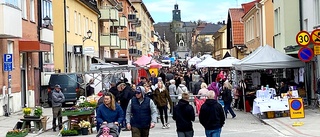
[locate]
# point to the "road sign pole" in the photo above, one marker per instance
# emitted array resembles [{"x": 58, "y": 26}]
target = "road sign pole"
[{"x": 9, "y": 93}]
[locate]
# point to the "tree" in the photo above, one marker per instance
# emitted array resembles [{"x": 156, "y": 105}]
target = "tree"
[{"x": 202, "y": 46}]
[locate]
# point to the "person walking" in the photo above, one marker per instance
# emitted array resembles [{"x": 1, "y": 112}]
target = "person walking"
[
  {"x": 162, "y": 98},
  {"x": 109, "y": 112},
  {"x": 141, "y": 114},
  {"x": 57, "y": 100},
  {"x": 183, "y": 114},
  {"x": 125, "y": 94},
  {"x": 212, "y": 116},
  {"x": 227, "y": 99}
]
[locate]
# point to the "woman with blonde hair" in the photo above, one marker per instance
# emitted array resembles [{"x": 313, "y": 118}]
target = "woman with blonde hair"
[
  {"x": 203, "y": 91},
  {"x": 109, "y": 111},
  {"x": 227, "y": 98},
  {"x": 162, "y": 98}
]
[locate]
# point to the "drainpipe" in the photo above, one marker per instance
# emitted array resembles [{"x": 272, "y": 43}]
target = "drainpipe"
[
  {"x": 65, "y": 37},
  {"x": 98, "y": 23},
  {"x": 40, "y": 59},
  {"x": 260, "y": 22},
  {"x": 300, "y": 15}
]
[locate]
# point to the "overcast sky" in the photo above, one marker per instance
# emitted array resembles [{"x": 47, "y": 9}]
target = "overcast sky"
[{"x": 192, "y": 10}]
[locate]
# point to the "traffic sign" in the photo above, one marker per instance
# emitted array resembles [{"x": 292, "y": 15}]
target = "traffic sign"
[
  {"x": 305, "y": 54},
  {"x": 316, "y": 49},
  {"x": 315, "y": 36},
  {"x": 303, "y": 38},
  {"x": 7, "y": 62},
  {"x": 296, "y": 108}
]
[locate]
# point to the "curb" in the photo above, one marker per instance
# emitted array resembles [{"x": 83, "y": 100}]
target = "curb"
[{"x": 264, "y": 122}]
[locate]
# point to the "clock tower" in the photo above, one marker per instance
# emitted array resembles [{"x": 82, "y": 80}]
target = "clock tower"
[{"x": 176, "y": 13}]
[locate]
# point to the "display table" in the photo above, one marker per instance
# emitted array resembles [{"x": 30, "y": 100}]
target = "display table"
[
  {"x": 26, "y": 123},
  {"x": 76, "y": 116},
  {"x": 266, "y": 105}
]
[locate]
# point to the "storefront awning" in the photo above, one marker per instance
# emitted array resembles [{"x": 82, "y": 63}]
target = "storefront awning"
[{"x": 33, "y": 46}]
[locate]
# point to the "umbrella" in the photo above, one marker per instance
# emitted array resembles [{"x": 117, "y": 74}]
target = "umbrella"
[{"x": 143, "y": 61}]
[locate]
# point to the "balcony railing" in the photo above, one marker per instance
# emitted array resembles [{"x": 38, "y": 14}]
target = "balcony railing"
[
  {"x": 132, "y": 35},
  {"x": 121, "y": 45},
  {"x": 122, "y": 22},
  {"x": 46, "y": 35},
  {"x": 135, "y": 52},
  {"x": 138, "y": 23},
  {"x": 10, "y": 21},
  {"x": 110, "y": 40},
  {"x": 109, "y": 13},
  {"x": 138, "y": 39}
]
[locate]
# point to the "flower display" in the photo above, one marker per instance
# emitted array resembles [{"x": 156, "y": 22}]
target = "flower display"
[
  {"x": 38, "y": 111},
  {"x": 84, "y": 124},
  {"x": 27, "y": 111}
]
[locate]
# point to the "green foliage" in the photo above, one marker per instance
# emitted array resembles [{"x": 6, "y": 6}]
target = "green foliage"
[
  {"x": 38, "y": 111},
  {"x": 17, "y": 133},
  {"x": 88, "y": 104},
  {"x": 69, "y": 133}
]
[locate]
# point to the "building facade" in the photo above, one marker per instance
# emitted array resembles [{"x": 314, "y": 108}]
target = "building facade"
[
  {"x": 267, "y": 22},
  {"x": 77, "y": 41},
  {"x": 220, "y": 43}
]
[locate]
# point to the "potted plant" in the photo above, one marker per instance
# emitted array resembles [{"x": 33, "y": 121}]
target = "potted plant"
[
  {"x": 38, "y": 111},
  {"x": 84, "y": 125},
  {"x": 69, "y": 133},
  {"x": 27, "y": 111},
  {"x": 17, "y": 133}
]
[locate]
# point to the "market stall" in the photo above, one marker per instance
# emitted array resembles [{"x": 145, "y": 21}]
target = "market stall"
[{"x": 266, "y": 57}]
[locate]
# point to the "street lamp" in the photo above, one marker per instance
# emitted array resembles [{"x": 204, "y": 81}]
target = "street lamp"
[
  {"x": 46, "y": 21},
  {"x": 89, "y": 34}
]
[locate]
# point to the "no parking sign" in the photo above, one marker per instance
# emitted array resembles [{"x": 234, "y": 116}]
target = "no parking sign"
[{"x": 296, "y": 108}]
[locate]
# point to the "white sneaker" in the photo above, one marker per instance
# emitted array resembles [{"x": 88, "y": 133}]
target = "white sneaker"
[
  {"x": 164, "y": 126},
  {"x": 168, "y": 125}
]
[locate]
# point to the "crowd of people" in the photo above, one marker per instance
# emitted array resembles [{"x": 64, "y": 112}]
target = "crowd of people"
[{"x": 136, "y": 107}]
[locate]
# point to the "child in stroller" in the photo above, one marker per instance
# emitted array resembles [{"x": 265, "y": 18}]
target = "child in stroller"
[{"x": 108, "y": 130}]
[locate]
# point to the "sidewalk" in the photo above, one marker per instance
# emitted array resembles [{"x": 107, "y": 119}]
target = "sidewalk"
[
  {"x": 309, "y": 129},
  {"x": 8, "y": 123}
]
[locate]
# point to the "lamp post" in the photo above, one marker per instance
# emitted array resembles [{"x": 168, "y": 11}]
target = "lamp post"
[
  {"x": 89, "y": 34},
  {"x": 47, "y": 21}
]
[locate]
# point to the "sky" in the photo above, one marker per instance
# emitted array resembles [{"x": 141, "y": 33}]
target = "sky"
[{"x": 192, "y": 10}]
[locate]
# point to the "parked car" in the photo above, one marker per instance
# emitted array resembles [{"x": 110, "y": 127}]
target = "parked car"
[{"x": 72, "y": 86}]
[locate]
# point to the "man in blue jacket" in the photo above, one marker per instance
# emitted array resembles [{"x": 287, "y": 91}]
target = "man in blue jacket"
[
  {"x": 212, "y": 116},
  {"x": 57, "y": 100},
  {"x": 141, "y": 114},
  {"x": 183, "y": 114}
]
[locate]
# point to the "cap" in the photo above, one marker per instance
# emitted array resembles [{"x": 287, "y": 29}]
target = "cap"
[
  {"x": 57, "y": 86},
  {"x": 140, "y": 89}
]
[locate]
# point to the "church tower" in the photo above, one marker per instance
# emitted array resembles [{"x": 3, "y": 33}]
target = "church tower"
[{"x": 176, "y": 14}]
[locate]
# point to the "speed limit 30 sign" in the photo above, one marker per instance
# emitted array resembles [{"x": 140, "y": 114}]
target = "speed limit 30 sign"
[{"x": 303, "y": 38}]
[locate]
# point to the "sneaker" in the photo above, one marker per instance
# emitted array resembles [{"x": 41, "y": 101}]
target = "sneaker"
[
  {"x": 164, "y": 126},
  {"x": 168, "y": 125},
  {"x": 234, "y": 116},
  {"x": 54, "y": 130}
]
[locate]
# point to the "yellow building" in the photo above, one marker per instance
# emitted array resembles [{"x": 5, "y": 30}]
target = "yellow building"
[
  {"x": 220, "y": 43},
  {"x": 76, "y": 36},
  {"x": 146, "y": 27}
]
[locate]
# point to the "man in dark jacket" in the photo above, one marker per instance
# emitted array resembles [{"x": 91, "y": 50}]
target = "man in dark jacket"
[
  {"x": 212, "y": 116},
  {"x": 141, "y": 114},
  {"x": 125, "y": 95},
  {"x": 183, "y": 114}
]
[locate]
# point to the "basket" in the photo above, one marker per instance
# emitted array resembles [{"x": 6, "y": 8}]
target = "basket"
[
  {"x": 270, "y": 114},
  {"x": 44, "y": 121}
]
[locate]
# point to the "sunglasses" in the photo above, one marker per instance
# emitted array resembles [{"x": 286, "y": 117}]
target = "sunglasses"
[{"x": 138, "y": 92}]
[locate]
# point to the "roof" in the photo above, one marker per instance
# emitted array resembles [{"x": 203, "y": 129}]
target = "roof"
[
  {"x": 144, "y": 8},
  {"x": 249, "y": 5},
  {"x": 210, "y": 29},
  {"x": 236, "y": 14}
]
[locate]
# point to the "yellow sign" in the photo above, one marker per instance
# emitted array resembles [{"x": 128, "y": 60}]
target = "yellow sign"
[
  {"x": 303, "y": 38},
  {"x": 316, "y": 49},
  {"x": 296, "y": 108},
  {"x": 153, "y": 70},
  {"x": 315, "y": 36}
]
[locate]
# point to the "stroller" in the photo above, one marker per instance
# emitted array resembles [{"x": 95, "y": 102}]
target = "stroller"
[{"x": 108, "y": 130}]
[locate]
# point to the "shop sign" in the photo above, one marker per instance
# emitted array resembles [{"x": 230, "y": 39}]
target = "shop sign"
[
  {"x": 315, "y": 36},
  {"x": 305, "y": 54},
  {"x": 296, "y": 108},
  {"x": 316, "y": 49},
  {"x": 303, "y": 39}
]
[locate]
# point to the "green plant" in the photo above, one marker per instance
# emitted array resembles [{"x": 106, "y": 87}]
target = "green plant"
[
  {"x": 17, "y": 133},
  {"x": 69, "y": 133},
  {"x": 38, "y": 111}
]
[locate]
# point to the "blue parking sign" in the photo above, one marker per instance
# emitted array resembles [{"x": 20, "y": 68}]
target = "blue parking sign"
[{"x": 7, "y": 62}]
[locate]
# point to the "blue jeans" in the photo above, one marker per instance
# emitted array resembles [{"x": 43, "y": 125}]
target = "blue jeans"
[{"x": 213, "y": 133}]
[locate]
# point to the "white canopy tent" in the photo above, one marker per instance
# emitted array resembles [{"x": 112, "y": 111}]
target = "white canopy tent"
[
  {"x": 227, "y": 62},
  {"x": 203, "y": 57},
  {"x": 194, "y": 60},
  {"x": 208, "y": 62},
  {"x": 266, "y": 57}
]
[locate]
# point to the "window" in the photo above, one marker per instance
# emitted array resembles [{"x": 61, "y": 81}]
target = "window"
[
  {"x": 87, "y": 26},
  {"x": 13, "y": 2},
  {"x": 47, "y": 9},
  {"x": 277, "y": 21},
  {"x": 24, "y": 9},
  {"x": 84, "y": 25},
  {"x": 317, "y": 11},
  {"x": 79, "y": 24},
  {"x": 258, "y": 24},
  {"x": 32, "y": 13},
  {"x": 10, "y": 45},
  {"x": 67, "y": 18},
  {"x": 75, "y": 22},
  {"x": 91, "y": 27}
]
